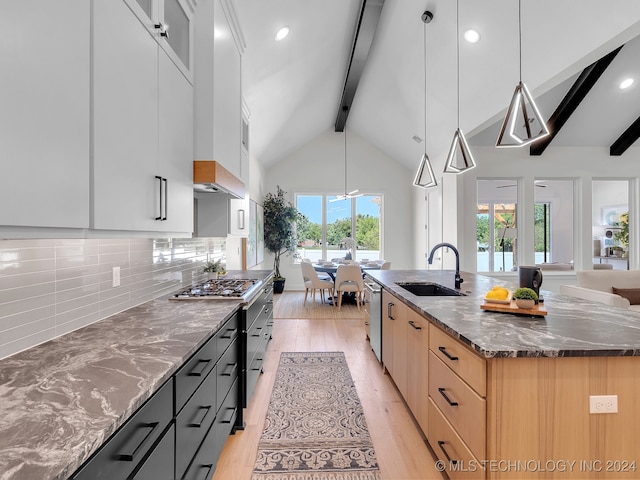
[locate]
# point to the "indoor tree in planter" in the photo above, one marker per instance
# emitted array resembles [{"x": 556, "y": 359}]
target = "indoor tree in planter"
[{"x": 279, "y": 231}]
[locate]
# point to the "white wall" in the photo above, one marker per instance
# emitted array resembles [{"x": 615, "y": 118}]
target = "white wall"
[
  {"x": 581, "y": 164},
  {"x": 318, "y": 167}
]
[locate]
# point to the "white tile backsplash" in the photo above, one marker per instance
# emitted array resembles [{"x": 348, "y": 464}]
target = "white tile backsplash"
[{"x": 52, "y": 287}]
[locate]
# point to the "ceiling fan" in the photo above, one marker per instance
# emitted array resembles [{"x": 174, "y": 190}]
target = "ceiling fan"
[
  {"x": 536, "y": 184},
  {"x": 346, "y": 195}
]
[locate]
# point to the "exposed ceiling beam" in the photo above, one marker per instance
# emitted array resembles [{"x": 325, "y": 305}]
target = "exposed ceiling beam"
[
  {"x": 627, "y": 139},
  {"x": 572, "y": 100},
  {"x": 365, "y": 30}
]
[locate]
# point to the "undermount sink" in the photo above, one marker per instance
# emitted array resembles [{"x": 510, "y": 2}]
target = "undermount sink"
[{"x": 424, "y": 289}]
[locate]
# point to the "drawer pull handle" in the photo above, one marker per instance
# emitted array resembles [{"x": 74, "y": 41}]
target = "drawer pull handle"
[
  {"x": 229, "y": 333},
  {"x": 128, "y": 457},
  {"x": 453, "y": 404},
  {"x": 390, "y": 310},
  {"x": 207, "y": 471},
  {"x": 412, "y": 323},
  {"x": 441, "y": 445},
  {"x": 197, "y": 424},
  {"x": 230, "y": 368},
  {"x": 230, "y": 414},
  {"x": 447, "y": 354},
  {"x": 259, "y": 362},
  {"x": 198, "y": 373},
  {"x": 257, "y": 334}
]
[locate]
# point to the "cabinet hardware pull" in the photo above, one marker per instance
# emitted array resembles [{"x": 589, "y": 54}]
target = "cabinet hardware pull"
[
  {"x": 441, "y": 445},
  {"x": 229, "y": 333},
  {"x": 241, "y": 219},
  {"x": 447, "y": 354},
  {"x": 159, "y": 217},
  {"x": 166, "y": 198},
  {"x": 257, "y": 334},
  {"x": 412, "y": 323},
  {"x": 208, "y": 468},
  {"x": 453, "y": 404},
  {"x": 198, "y": 373},
  {"x": 128, "y": 457},
  {"x": 229, "y": 371},
  {"x": 259, "y": 361},
  {"x": 206, "y": 409},
  {"x": 390, "y": 306},
  {"x": 228, "y": 418}
]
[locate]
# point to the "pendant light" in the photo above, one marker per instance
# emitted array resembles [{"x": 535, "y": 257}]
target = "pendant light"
[
  {"x": 523, "y": 123},
  {"x": 353, "y": 193},
  {"x": 425, "y": 177},
  {"x": 459, "y": 159}
]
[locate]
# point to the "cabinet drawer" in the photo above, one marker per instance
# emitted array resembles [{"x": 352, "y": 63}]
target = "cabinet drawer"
[
  {"x": 459, "y": 358},
  {"x": 449, "y": 447},
  {"x": 462, "y": 407},
  {"x": 227, "y": 334},
  {"x": 204, "y": 462},
  {"x": 123, "y": 452},
  {"x": 253, "y": 372},
  {"x": 193, "y": 422},
  {"x": 227, "y": 372},
  {"x": 160, "y": 464},
  {"x": 255, "y": 336},
  {"x": 194, "y": 372}
]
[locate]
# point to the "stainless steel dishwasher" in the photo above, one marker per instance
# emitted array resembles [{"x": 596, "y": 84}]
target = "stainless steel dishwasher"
[{"x": 373, "y": 305}]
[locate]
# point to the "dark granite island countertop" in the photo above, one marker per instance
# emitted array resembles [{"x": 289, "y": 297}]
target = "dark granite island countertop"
[
  {"x": 61, "y": 400},
  {"x": 572, "y": 328}
]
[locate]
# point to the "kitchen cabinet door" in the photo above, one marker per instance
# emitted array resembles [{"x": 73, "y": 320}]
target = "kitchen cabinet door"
[
  {"x": 44, "y": 118},
  {"x": 388, "y": 321},
  {"x": 125, "y": 151}
]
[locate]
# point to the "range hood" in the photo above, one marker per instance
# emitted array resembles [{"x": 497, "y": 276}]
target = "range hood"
[{"x": 211, "y": 177}]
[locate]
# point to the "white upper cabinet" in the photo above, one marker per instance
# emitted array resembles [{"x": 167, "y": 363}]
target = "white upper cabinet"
[
  {"x": 44, "y": 113},
  {"x": 217, "y": 82},
  {"x": 143, "y": 123}
]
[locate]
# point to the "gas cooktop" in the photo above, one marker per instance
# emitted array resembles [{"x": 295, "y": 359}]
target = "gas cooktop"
[{"x": 221, "y": 289}]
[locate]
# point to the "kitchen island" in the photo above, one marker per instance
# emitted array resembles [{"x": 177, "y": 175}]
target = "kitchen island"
[
  {"x": 60, "y": 401},
  {"x": 500, "y": 395}
]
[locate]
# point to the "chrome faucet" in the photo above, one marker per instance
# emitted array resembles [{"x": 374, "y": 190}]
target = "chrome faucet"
[{"x": 458, "y": 278}]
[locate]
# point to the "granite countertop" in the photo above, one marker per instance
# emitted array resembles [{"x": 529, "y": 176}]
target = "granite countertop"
[
  {"x": 61, "y": 400},
  {"x": 572, "y": 327}
]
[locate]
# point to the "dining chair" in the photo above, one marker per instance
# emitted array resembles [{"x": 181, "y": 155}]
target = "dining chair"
[
  {"x": 385, "y": 266},
  {"x": 313, "y": 282},
  {"x": 349, "y": 279}
]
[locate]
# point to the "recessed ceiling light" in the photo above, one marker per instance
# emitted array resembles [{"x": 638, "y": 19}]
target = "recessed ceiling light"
[
  {"x": 282, "y": 33},
  {"x": 472, "y": 36},
  {"x": 626, "y": 83}
]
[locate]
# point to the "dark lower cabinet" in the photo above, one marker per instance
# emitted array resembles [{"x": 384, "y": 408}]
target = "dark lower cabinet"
[
  {"x": 160, "y": 464},
  {"x": 180, "y": 431}
]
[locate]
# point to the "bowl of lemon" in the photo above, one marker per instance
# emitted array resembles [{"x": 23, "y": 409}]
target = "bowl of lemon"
[{"x": 498, "y": 295}]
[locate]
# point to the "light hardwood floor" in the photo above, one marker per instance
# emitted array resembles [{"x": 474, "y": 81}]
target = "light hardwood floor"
[{"x": 401, "y": 450}]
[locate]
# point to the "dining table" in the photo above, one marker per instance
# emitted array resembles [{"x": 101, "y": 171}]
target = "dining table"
[{"x": 332, "y": 268}]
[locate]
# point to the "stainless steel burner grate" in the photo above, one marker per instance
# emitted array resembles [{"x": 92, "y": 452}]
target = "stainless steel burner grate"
[{"x": 217, "y": 289}]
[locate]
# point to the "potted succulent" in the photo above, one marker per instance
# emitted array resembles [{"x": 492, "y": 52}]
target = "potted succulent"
[
  {"x": 214, "y": 269},
  {"x": 525, "y": 297},
  {"x": 280, "y": 236}
]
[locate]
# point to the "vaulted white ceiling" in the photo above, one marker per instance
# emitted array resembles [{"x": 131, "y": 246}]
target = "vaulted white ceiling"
[{"x": 293, "y": 87}]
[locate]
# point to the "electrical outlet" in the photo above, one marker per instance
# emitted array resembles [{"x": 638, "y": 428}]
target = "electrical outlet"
[
  {"x": 115, "y": 277},
  {"x": 603, "y": 404}
]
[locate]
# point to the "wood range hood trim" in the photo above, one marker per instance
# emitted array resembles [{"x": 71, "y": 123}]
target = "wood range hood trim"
[{"x": 211, "y": 176}]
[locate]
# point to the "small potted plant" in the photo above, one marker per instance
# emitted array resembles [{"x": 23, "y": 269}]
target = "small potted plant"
[
  {"x": 525, "y": 297},
  {"x": 214, "y": 269}
]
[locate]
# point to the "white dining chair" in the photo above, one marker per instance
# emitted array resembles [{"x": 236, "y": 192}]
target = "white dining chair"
[
  {"x": 313, "y": 282},
  {"x": 349, "y": 279},
  {"x": 385, "y": 266}
]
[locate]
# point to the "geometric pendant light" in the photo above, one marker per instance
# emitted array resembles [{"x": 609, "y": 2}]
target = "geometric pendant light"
[
  {"x": 523, "y": 123},
  {"x": 459, "y": 159},
  {"x": 424, "y": 176}
]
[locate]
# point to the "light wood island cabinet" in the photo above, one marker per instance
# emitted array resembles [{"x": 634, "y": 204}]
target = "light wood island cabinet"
[{"x": 510, "y": 415}]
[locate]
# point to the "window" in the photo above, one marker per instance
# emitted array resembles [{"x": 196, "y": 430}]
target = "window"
[
  {"x": 330, "y": 220},
  {"x": 553, "y": 221},
  {"x": 496, "y": 226}
]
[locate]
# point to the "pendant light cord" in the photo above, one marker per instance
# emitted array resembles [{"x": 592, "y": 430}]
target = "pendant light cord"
[
  {"x": 520, "y": 35},
  {"x": 425, "y": 88},
  {"x": 458, "y": 54}
]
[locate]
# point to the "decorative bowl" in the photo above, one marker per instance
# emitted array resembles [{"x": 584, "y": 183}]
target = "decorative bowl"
[{"x": 525, "y": 303}]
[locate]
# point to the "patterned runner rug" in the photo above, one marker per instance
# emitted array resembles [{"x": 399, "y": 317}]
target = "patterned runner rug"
[{"x": 315, "y": 427}]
